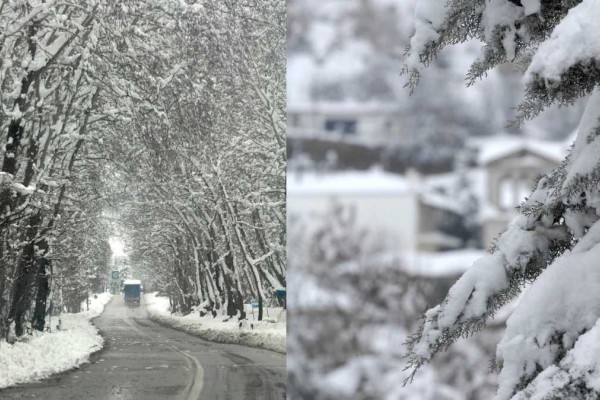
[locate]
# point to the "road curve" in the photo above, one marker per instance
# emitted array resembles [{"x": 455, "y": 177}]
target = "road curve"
[{"x": 144, "y": 360}]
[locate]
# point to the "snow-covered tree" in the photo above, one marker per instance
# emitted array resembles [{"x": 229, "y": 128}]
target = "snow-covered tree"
[
  {"x": 205, "y": 188},
  {"x": 550, "y": 346},
  {"x": 173, "y": 109},
  {"x": 68, "y": 72}
]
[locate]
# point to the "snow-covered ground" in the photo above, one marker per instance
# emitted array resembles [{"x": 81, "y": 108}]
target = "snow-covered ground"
[
  {"x": 268, "y": 334},
  {"x": 44, "y": 354}
]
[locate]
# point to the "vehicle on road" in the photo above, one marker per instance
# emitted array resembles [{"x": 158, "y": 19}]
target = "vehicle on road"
[{"x": 132, "y": 289}]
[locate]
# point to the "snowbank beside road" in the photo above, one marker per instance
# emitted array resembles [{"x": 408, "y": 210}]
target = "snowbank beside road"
[
  {"x": 46, "y": 353},
  {"x": 263, "y": 334}
]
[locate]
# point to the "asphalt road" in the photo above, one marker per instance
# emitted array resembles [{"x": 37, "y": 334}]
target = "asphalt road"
[{"x": 144, "y": 360}]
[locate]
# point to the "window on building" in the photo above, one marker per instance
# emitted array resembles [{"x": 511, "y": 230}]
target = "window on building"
[
  {"x": 506, "y": 193},
  {"x": 343, "y": 126},
  {"x": 524, "y": 189},
  {"x": 388, "y": 125},
  {"x": 294, "y": 120}
]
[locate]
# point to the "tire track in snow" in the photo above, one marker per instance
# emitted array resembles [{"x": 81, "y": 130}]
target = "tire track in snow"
[{"x": 194, "y": 388}]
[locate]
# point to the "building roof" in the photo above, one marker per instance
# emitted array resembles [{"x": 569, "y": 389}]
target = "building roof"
[
  {"x": 440, "y": 201},
  {"x": 344, "y": 108},
  {"x": 440, "y": 264},
  {"x": 495, "y": 148},
  {"x": 373, "y": 182}
]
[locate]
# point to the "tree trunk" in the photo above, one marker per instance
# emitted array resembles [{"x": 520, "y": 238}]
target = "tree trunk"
[
  {"x": 239, "y": 300},
  {"x": 22, "y": 288},
  {"x": 43, "y": 290},
  {"x": 3, "y": 275},
  {"x": 232, "y": 301},
  {"x": 21, "y": 296}
]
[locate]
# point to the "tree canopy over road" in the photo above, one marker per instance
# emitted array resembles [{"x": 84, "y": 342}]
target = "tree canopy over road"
[{"x": 166, "y": 118}]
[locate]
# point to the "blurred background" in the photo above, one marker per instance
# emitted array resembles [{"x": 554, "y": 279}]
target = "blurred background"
[{"x": 391, "y": 197}]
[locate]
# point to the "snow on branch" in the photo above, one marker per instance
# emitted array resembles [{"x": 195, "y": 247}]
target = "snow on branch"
[
  {"x": 521, "y": 254},
  {"x": 508, "y": 29},
  {"x": 551, "y": 315},
  {"x": 574, "y": 376},
  {"x": 555, "y": 243},
  {"x": 564, "y": 67},
  {"x": 430, "y": 19},
  {"x": 573, "y": 41}
]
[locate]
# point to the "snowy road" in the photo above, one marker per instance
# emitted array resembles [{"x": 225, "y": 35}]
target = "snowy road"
[{"x": 144, "y": 360}]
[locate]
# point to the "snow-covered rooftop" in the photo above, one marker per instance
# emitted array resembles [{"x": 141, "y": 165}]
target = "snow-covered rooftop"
[
  {"x": 494, "y": 148},
  {"x": 440, "y": 201},
  {"x": 447, "y": 263},
  {"x": 132, "y": 282},
  {"x": 368, "y": 183},
  {"x": 347, "y": 183},
  {"x": 344, "y": 107}
]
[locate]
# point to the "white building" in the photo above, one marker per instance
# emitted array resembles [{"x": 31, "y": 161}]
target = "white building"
[
  {"x": 512, "y": 167},
  {"x": 507, "y": 170},
  {"x": 395, "y": 206},
  {"x": 368, "y": 121},
  {"x": 410, "y": 209}
]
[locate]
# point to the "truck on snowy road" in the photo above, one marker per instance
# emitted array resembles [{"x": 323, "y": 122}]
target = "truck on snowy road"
[{"x": 132, "y": 289}]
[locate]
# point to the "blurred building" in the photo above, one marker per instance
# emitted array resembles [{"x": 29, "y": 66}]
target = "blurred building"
[
  {"x": 507, "y": 169},
  {"x": 366, "y": 121},
  {"x": 417, "y": 212},
  {"x": 399, "y": 207},
  {"x": 512, "y": 167}
]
